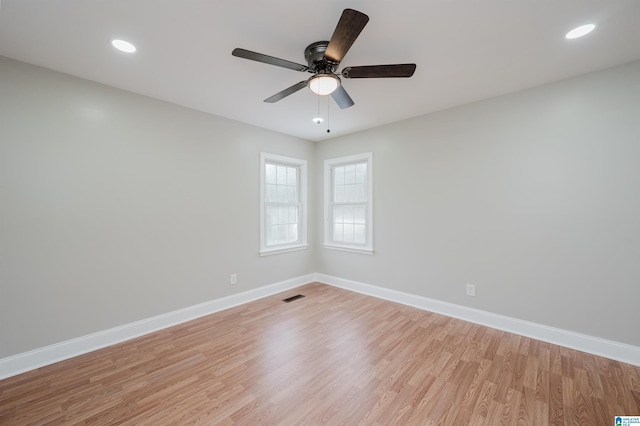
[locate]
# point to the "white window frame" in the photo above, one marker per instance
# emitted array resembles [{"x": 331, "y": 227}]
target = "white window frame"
[
  {"x": 329, "y": 243},
  {"x": 302, "y": 222}
]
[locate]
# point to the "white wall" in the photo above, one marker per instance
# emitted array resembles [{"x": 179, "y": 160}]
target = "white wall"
[
  {"x": 116, "y": 207},
  {"x": 533, "y": 197}
]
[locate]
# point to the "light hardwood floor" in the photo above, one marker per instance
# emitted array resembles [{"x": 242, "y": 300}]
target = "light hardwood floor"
[{"x": 332, "y": 357}]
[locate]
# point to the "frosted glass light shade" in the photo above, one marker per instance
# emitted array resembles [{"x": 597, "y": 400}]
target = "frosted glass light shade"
[{"x": 324, "y": 84}]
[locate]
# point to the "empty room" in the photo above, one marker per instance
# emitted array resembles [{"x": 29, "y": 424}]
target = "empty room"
[{"x": 298, "y": 213}]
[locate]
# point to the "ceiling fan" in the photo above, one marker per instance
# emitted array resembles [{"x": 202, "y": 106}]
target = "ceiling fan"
[{"x": 323, "y": 59}]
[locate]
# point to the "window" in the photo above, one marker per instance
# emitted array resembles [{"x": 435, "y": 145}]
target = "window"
[
  {"x": 348, "y": 223},
  {"x": 283, "y": 201}
]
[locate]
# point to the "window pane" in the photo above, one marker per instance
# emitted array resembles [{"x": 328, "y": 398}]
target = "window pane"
[
  {"x": 359, "y": 213},
  {"x": 281, "y": 175},
  {"x": 350, "y": 174},
  {"x": 292, "y": 176},
  {"x": 348, "y": 214},
  {"x": 361, "y": 172},
  {"x": 272, "y": 235},
  {"x": 282, "y": 233},
  {"x": 359, "y": 236},
  {"x": 338, "y": 175},
  {"x": 291, "y": 194},
  {"x": 272, "y": 216},
  {"x": 338, "y": 214},
  {"x": 293, "y": 214},
  {"x": 283, "y": 216},
  {"x": 361, "y": 195},
  {"x": 350, "y": 193},
  {"x": 270, "y": 173},
  {"x": 339, "y": 194},
  {"x": 348, "y": 233},
  {"x": 281, "y": 196},
  {"x": 271, "y": 193},
  {"x": 282, "y": 224},
  {"x": 293, "y": 233},
  {"x": 338, "y": 232}
]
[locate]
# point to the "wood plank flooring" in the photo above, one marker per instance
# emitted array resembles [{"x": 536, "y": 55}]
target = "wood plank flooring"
[{"x": 333, "y": 357}]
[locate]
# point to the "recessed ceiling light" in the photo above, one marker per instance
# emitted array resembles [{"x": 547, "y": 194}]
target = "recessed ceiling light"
[
  {"x": 580, "y": 31},
  {"x": 123, "y": 46}
]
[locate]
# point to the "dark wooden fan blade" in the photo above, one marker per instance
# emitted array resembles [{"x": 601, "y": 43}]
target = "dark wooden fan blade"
[
  {"x": 342, "y": 98},
  {"x": 259, "y": 57},
  {"x": 379, "y": 71},
  {"x": 286, "y": 92},
  {"x": 348, "y": 29}
]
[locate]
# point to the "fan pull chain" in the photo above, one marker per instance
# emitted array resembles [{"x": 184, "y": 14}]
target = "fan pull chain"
[{"x": 328, "y": 121}]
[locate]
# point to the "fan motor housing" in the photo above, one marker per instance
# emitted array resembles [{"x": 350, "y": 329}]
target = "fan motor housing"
[{"x": 314, "y": 55}]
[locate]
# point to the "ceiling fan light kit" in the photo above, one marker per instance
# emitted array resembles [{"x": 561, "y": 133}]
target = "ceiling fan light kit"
[
  {"x": 324, "y": 84},
  {"x": 323, "y": 59}
]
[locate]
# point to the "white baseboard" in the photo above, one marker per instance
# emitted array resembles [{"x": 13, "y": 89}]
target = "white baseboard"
[
  {"x": 37, "y": 358},
  {"x": 593, "y": 345}
]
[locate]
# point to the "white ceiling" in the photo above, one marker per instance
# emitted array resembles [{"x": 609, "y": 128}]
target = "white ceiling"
[{"x": 465, "y": 50}]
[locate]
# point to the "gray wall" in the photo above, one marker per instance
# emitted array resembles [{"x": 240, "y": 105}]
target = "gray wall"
[
  {"x": 534, "y": 197},
  {"x": 116, "y": 207}
]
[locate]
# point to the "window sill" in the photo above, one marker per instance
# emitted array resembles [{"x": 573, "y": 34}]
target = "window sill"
[
  {"x": 351, "y": 249},
  {"x": 270, "y": 251}
]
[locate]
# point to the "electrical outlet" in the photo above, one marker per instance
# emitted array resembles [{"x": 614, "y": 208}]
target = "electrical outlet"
[
  {"x": 471, "y": 290},
  {"x": 233, "y": 279}
]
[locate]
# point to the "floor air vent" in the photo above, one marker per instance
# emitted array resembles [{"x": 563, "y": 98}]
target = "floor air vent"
[{"x": 292, "y": 298}]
